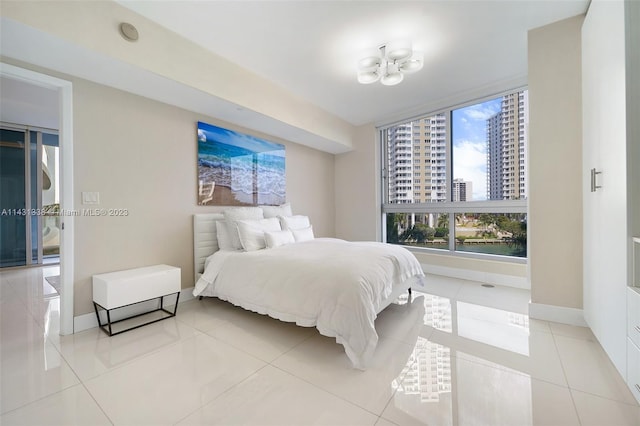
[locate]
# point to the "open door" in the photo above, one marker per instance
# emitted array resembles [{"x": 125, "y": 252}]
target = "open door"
[{"x": 64, "y": 223}]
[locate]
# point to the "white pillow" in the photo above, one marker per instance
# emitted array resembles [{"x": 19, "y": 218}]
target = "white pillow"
[
  {"x": 240, "y": 213},
  {"x": 252, "y": 232},
  {"x": 224, "y": 239},
  {"x": 304, "y": 234},
  {"x": 294, "y": 222},
  {"x": 275, "y": 211},
  {"x": 278, "y": 238}
]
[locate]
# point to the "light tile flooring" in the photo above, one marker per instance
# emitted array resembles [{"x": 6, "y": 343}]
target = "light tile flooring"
[{"x": 457, "y": 354}]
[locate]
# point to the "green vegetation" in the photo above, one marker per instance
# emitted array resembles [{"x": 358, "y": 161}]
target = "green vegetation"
[{"x": 492, "y": 233}]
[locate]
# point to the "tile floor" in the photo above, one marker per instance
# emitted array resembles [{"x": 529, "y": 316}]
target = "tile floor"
[{"x": 457, "y": 354}]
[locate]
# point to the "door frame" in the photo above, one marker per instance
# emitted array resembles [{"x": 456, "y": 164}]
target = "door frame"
[{"x": 64, "y": 89}]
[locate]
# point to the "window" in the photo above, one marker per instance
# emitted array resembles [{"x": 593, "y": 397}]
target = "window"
[{"x": 475, "y": 175}]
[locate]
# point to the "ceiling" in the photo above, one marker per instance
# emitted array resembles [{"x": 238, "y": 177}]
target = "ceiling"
[
  {"x": 20, "y": 99},
  {"x": 310, "y": 48}
]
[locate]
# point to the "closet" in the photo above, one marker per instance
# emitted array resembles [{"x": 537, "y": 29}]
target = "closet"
[{"x": 611, "y": 199}]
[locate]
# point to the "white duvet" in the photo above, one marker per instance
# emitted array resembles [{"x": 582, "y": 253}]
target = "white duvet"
[{"x": 334, "y": 285}]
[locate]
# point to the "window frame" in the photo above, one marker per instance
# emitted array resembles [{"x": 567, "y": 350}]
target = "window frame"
[{"x": 447, "y": 207}]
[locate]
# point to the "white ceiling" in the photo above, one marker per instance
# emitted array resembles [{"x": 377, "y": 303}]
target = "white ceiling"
[
  {"x": 20, "y": 99},
  {"x": 472, "y": 48},
  {"x": 310, "y": 47}
]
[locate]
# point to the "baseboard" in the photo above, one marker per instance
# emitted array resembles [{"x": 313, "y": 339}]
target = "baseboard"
[
  {"x": 561, "y": 314},
  {"x": 87, "y": 321},
  {"x": 483, "y": 277}
]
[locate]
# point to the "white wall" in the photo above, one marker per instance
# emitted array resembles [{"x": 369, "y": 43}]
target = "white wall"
[
  {"x": 357, "y": 188},
  {"x": 555, "y": 164}
]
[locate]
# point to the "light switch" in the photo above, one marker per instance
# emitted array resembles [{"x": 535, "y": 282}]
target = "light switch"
[{"x": 90, "y": 198}]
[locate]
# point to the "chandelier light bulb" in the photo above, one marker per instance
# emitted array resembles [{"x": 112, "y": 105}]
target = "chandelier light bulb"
[
  {"x": 370, "y": 58},
  {"x": 368, "y": 77},
  {"x": 392, "y": 77},
  {"x": 398, "y": 50},
  {"x": 414, "y": 63}
]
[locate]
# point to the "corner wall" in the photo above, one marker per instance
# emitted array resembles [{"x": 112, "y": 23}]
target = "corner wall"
[
  {"x": 357, "y": 188},
  {"x": 555, "y": 162}
]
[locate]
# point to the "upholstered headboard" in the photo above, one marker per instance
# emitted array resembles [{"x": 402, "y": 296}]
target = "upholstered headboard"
[{"x": 205, "y": 239}]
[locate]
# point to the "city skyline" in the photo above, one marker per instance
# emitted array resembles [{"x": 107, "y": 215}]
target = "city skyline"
[
  {"x": 470, "y": 144},
  {"x": 488, "y": 153}
]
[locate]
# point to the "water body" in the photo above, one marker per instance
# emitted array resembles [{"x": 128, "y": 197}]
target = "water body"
[{"x": 502, "y": 249}]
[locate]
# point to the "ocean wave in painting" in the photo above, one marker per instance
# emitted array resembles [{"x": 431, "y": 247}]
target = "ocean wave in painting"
[{"x": 245, "y": 171}]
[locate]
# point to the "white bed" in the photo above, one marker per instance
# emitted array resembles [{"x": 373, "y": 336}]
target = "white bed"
[{"x": 340, "y": 295}]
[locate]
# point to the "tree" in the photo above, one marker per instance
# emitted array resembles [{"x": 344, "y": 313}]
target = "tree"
[
  {"x": 517, "y": 228},
  {"x": 485, "y": 220},
  {"x": 443, "y": 220},
  {"x": 392, "y": 228},
  {"x": 441, "y": 232}
]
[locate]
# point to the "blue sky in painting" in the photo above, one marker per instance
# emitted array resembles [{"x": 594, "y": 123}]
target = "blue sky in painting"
[
  {"x": 470, "y": 144},
  {"x": 210, "y": 133}
]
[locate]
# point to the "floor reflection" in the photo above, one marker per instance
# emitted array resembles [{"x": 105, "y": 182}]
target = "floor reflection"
[
  {"x": 495, "y": 327},
  {"x": 452, "y": 377}
]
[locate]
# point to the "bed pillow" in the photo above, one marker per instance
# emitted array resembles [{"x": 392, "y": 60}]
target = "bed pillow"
[
  {"x": 278, "y": 238},
  {"x": 275, "y": 211},
  {"x": 294, "y": 222},
  {"x": 304, "y": 234},
  {"x": 252, "y": 232},
  {"x": 232, "y": 216},
  {"x": 224, "y": 239}
]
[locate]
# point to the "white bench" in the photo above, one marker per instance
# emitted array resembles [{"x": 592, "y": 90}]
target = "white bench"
[{"x": 116, "y": 290}]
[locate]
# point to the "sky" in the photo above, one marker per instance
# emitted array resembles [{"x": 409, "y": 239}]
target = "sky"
[
  {"x": 211, "y": 133},
  {"x": 470, "y": 144}
]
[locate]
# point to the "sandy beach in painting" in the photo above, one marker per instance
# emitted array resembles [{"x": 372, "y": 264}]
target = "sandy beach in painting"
[
  {"x": 221, "y": 196},
  {"x": 224, "y": 196}
]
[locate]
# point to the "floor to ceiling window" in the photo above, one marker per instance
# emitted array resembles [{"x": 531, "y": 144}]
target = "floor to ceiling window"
[
  {"x": 456, "y": 179},
  {"x": 29, "y": 196}
]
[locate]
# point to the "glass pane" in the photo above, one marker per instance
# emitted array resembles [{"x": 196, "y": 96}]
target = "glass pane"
[
  {"x": 33, "y": 171},
  {"x": 50, "y": 196},
  {"x": 12, "y": 198},
  {"x": 417, "y": 161},
  {"x": 418, "y": 230},
  {"x": 492, "y": 233},
  {"x": 489, "y": 149}
]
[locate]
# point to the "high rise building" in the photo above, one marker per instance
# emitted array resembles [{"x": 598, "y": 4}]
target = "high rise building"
[
  {"x": 400, "y": 163},
  {"x": 494, "y": 158},
  {"x": 462, "y": 190},
  {"x": 416, "y": 166},
  {"x": 506, "y": 148}
]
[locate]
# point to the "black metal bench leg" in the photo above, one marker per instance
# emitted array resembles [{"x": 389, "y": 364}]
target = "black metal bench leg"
[{"x": 200, "y": 298}]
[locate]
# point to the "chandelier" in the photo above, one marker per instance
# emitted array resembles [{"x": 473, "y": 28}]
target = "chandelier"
[{"x": 388, "y": 63}]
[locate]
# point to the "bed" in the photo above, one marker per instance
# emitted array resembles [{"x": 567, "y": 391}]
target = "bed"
[{"x": 338, "y": 287}]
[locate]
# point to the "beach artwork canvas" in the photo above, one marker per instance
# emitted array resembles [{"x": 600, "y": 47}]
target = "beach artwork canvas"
[{"x": 235, "y": 169}]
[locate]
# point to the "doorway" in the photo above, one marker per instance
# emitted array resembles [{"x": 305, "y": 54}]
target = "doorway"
[
  {"x": 62, "y": 98},
  {"x": 29, "y": 195}
]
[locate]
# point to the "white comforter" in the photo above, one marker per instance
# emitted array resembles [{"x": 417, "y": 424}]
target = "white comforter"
[{"x": 334, "y": 285}]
